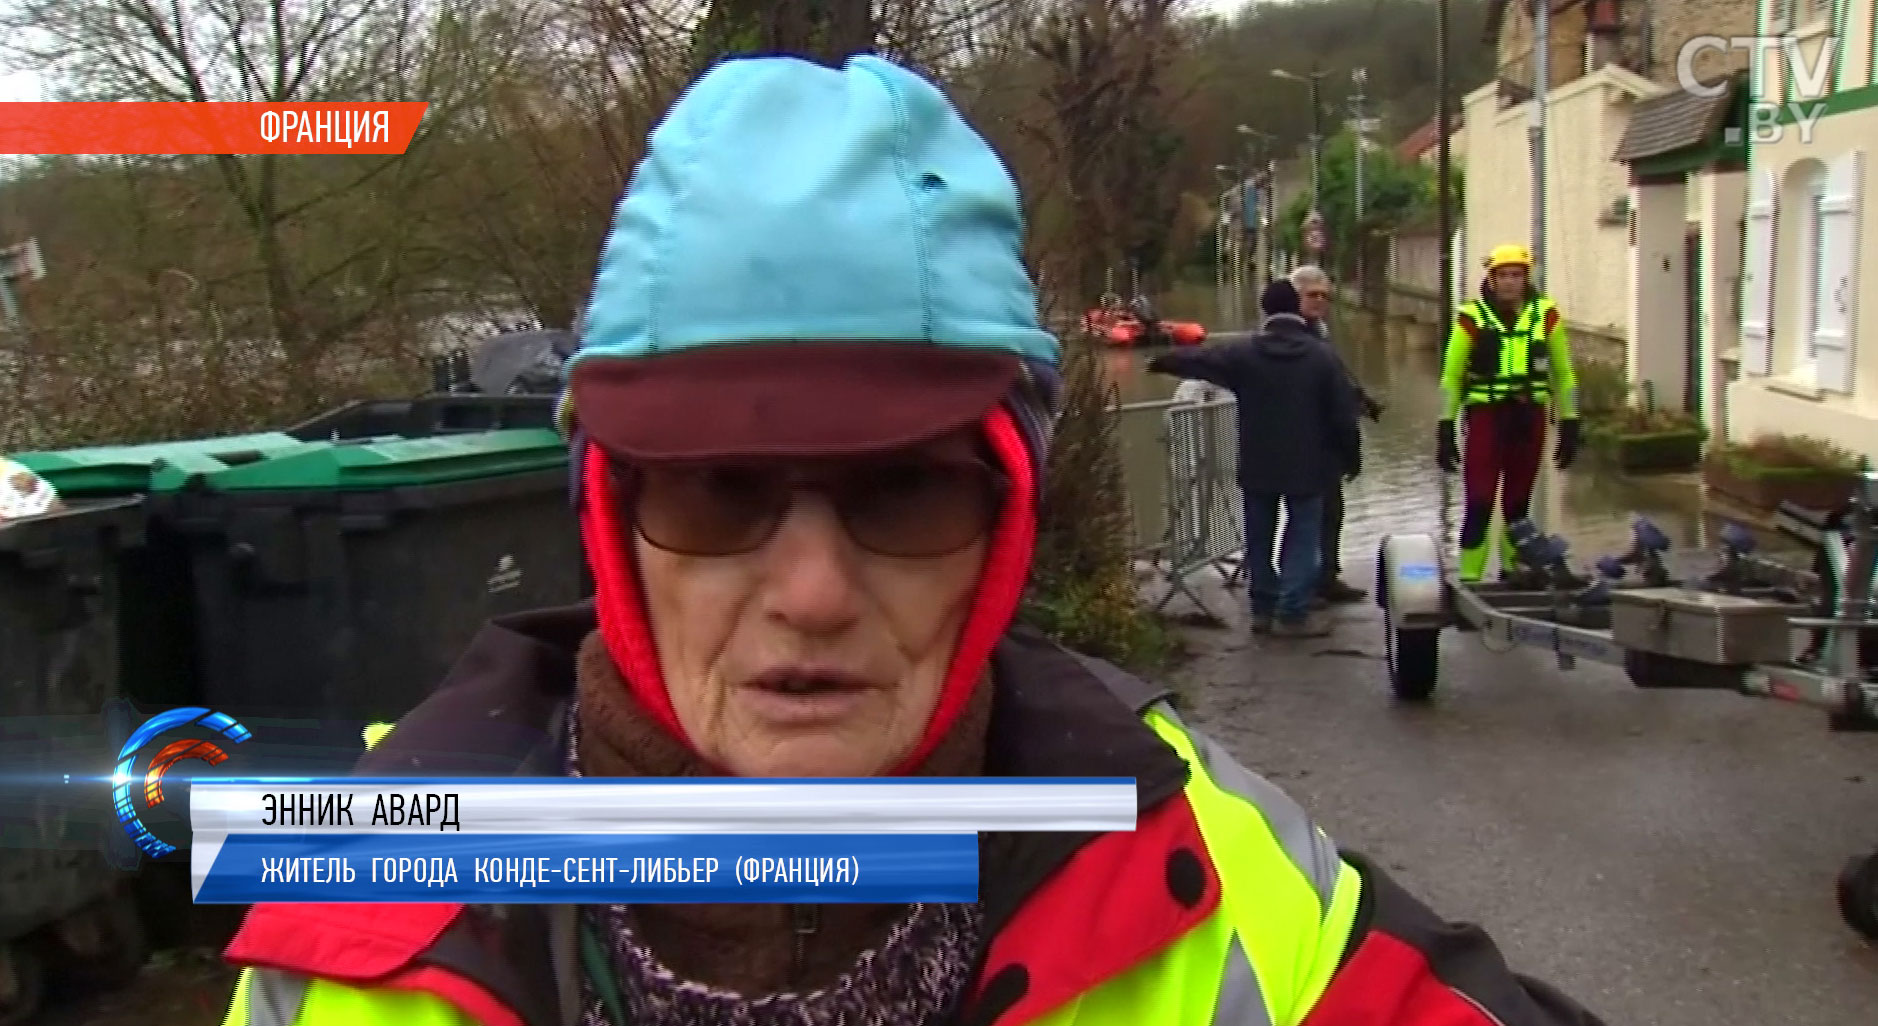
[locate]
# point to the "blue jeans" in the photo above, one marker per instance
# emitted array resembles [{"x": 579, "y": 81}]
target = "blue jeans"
[{"x": 1284, "y": 593}]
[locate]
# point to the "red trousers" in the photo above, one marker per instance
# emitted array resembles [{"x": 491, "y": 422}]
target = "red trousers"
[{"x": 1502, "y": 444}]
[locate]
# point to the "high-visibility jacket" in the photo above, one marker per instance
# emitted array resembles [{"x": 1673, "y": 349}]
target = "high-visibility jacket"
[
  {"x": 1529, "y": 360},
  {"x": 1225, "y": 905},
  {"x": 1264, "y": 955}
]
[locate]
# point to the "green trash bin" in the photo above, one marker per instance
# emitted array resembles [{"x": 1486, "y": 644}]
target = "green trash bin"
[
  {"x": 109, "y": 470},
  {"x": 338, "y": 582},
  {"x": 59, "y": 669},
  {"x": 156, "y": 614}
]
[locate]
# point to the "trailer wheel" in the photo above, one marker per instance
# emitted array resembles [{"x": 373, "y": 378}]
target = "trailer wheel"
[
  {"x": 1414, "y": 662},
  {"x": 22, "y": 983},
  {"x": 1410, "y": 590},
  {"x": 1858, "y": 895}
]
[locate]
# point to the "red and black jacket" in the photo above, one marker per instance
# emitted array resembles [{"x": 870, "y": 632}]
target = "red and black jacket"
[{"x": 1063, "y": 912}]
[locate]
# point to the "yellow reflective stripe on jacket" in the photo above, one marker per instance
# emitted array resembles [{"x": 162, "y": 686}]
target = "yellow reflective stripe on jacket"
[
  {"x": 1518, "y": 372},
  {"x": 1287, "y": 905},
  {"x": 269, "y": 997},
  {"x": 1290, "y": 898},
  {"x": 1263, "y": 958}
]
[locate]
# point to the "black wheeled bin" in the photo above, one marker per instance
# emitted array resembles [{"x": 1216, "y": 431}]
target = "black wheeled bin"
[
  {"x": 59, "y": 671},
  {"x": 339, "y": 581},
  {"x": 156, "y": 611},
  {"x": 427, "y": 416}
]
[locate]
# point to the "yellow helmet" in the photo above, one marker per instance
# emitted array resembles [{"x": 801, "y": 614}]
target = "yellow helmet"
[{"x": 1509, "y": 255}]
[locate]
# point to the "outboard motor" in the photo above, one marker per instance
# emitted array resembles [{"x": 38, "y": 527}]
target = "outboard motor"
[
  {"x": 1544, "y": 555},
  {"x": 1647, "y": 545},
  {"x": 1735, "y": 575}
]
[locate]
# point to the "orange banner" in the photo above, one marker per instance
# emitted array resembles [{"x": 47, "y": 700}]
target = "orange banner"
[{"x": 204, "y": 128}]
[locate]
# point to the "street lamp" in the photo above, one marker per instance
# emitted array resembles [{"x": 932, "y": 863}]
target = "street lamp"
[
  {"x": 1317, "y": 130},
  {"x": 1360, "y": 79},
  {"x": 1269, "y": 206},
  {"x": 1443, "y": 168},
  {"x": 1229, "y": 245}
]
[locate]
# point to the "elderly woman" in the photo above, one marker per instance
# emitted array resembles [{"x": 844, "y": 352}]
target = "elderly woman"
[{"x": 810, "y": 414}]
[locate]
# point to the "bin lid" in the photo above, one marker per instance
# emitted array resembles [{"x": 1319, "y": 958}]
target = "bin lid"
[
  {"x": 381, "y": 463},
  {"x": 81, "y": 518},
  {"x": 126, "y": 469}
]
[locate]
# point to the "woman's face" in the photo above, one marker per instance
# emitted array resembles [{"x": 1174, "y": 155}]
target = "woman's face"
[{"x": 818, "y": 647}]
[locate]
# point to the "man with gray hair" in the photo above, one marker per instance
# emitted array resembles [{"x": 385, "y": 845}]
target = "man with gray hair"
[{"x": 1314, "y": 296}]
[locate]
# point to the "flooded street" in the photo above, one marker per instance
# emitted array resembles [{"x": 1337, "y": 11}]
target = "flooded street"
[{"x": 1399, "y": 490}]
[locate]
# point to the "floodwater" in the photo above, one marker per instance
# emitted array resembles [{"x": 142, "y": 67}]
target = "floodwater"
[{"x": 1400, "y": 489}]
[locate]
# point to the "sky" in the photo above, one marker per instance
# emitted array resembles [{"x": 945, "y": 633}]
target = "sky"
[{"x": 25, "y": 86}]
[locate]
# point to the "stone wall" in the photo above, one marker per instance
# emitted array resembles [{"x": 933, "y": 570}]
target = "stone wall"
[
  {"x": 1672, "y": 24},
  {"x": 1678, "y": 21}
]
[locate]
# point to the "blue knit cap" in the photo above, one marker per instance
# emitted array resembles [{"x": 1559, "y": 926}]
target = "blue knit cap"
[{"x": 810, "y": 260}]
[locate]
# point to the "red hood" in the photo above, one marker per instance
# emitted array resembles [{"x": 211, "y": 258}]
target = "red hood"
[{"x": 628, "y": 634}]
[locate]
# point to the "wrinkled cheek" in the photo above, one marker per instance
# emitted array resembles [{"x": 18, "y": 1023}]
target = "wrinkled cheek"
[
  {"x": 927, "y": 614},
  {"x": 693, "y": 614}
]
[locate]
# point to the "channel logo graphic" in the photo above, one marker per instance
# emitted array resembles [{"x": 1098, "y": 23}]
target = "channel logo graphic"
[{"x": 125, "y": 789}]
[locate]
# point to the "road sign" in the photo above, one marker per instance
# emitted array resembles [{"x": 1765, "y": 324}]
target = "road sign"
[
  {"x": 1314, "y": 235},
  {"x": 22, "y": 261}
]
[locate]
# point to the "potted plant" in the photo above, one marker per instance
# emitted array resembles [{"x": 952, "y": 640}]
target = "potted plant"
[
  {"x": 1775, "y": 468},
  {"x": 1643, "y": 437}
]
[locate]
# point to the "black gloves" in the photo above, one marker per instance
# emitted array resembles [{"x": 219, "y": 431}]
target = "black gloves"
[
  {"x": 1371, "y": 408},
  {"x": 1567, "y": 443},
  {"x": 1447, "y": 449}
]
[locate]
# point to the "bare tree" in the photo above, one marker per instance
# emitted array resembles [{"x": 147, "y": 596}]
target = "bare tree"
[
  {"x": 1104, "y": 127},
  {"x": 294, "y": 51}
]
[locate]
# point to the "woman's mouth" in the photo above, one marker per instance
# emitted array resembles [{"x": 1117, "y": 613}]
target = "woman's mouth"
[{"x": 801, "y": 697}]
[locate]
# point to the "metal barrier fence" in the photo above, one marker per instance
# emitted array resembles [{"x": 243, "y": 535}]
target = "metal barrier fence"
[{"x": 1183, "y": 491}]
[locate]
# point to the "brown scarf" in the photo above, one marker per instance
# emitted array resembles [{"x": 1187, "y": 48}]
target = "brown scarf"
[{"x": 750, "y": 949}]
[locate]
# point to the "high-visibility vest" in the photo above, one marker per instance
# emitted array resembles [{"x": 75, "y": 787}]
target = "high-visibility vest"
[
  {"x": 1262, "y": 958},
  {"x": 1508, "y": 363}
]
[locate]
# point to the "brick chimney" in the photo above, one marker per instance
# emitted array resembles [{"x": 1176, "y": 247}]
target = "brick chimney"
[{"x": 1604, "y": 27}]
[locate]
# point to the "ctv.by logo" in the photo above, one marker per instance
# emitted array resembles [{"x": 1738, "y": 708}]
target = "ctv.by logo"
[
  {"x": 125, "y": 782},
  {"x": 1810, "y": 76}
]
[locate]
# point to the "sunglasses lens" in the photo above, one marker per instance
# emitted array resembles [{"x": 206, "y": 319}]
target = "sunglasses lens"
[
  {"x": 919, "y": 509},
  {"x": 708, "y": 511},
  {"x": 908, "y": 509}
]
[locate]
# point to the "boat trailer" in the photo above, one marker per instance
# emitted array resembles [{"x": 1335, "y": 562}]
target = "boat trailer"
[{"x": 1731, "y": 628}]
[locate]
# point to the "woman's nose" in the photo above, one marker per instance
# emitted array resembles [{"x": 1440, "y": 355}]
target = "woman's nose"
[{"x": 811, "y": 580}]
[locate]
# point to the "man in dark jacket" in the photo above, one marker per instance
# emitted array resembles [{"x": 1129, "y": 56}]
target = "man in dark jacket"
[
  {"x": 1297, "y": 439},
  {"x": 1314, "y": 297}
]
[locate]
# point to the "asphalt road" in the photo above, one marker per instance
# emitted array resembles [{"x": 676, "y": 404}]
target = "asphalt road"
[{"x": 1668, "y": 858}]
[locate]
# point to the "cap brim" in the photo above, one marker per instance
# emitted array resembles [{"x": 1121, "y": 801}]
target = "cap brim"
[{"x": 785, "y": 399}]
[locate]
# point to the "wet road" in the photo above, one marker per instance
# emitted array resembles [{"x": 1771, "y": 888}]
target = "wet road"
[{"x": 1666, "y": 857}]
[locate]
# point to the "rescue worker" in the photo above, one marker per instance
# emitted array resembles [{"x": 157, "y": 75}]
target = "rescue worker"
[
  {"x": 1508, "y": 362},
  {"x": 809, "y": 419}
]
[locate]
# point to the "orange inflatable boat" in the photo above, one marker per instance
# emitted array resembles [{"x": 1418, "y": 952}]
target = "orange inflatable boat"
[{"x": 1119, "y": 327}]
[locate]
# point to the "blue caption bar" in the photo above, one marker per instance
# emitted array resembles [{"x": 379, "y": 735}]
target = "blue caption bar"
[{"x": 531, "y": 869}]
